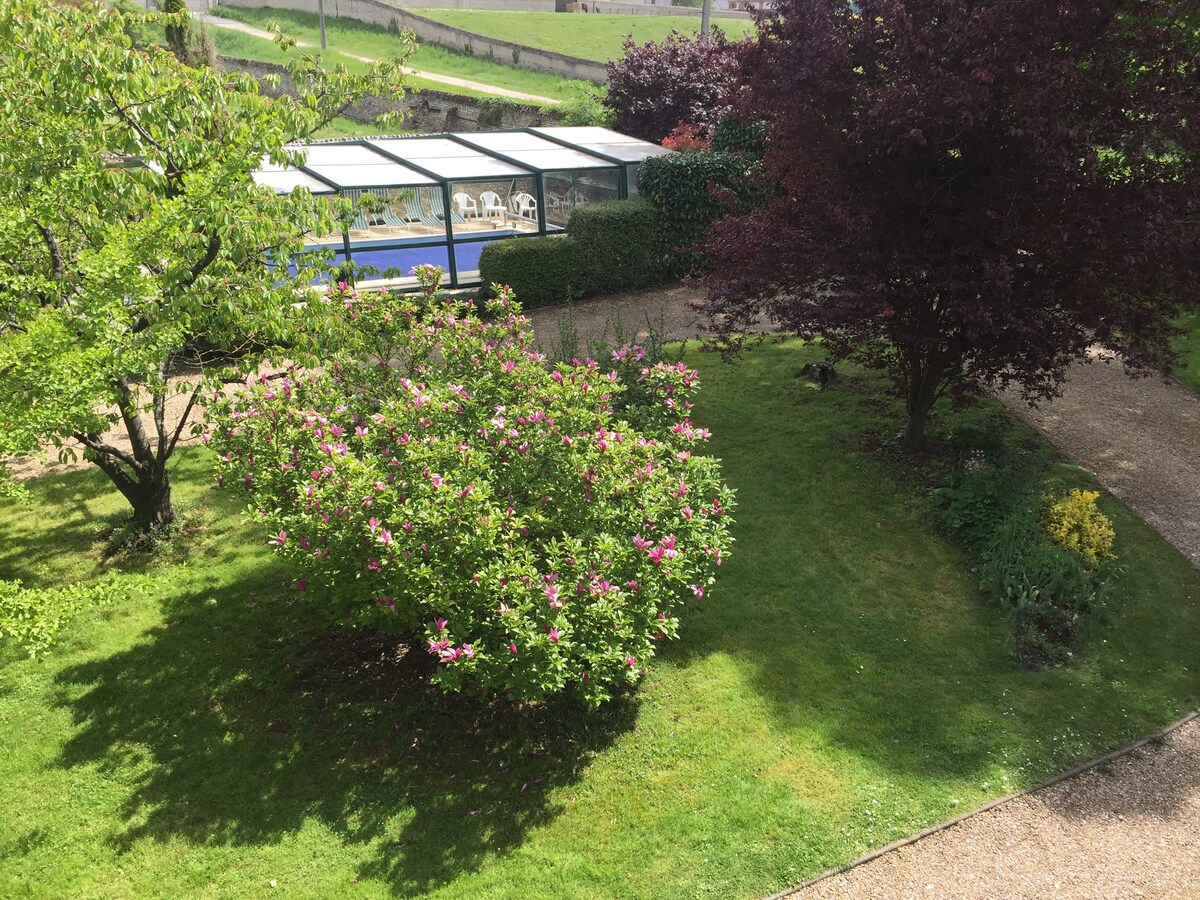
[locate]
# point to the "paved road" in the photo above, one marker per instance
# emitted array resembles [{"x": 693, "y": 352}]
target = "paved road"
[{"x": 218, "y": 22}]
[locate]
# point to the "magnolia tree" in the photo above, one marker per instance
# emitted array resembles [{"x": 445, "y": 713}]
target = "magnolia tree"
[
  {"x": 539, "y": 529},
  {"x": 970, "y": 194},
  {"x": 134, "y": 243}
]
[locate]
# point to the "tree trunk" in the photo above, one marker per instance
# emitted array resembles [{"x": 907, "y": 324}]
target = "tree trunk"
[
  {"x": 147, "y": 488},
  {"x": 922, "y": 394},
  {"x": 152, "y": 508}
]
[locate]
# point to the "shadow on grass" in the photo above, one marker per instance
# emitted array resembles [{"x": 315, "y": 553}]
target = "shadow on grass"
[{"x": 240, "y": 722}]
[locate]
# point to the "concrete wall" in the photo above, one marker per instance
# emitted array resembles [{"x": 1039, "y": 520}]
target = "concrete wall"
[
  {"x": 426, "y": 111},
  {"x": 378, "y": 12}
]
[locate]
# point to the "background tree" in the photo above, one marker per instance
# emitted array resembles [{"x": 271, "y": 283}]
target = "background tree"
[
  {"x": 134, "y": 242},
  {"x": 970, "y": 194},
  {"x": 655, "y": 87}
]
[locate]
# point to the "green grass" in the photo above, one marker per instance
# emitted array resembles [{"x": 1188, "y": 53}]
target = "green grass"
[
  {"x": 350, "y": 36},
  {"x": 1188, "y": 347},
  {"x": 596, "y": 37},
  {"x": 844, "y": 685}
]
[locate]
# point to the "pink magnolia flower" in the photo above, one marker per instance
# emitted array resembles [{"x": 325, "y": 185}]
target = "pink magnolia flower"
[
  {"x": 439, "y": 624},
  {"x": 505, "y": 609},
  {"x": 468, "y": 651},
  {"x": 384, "y": 537},
  {"x": 698, "y": 591},
  {"x": 641, "y": 543},
  {"x": 280, "y": 540},
  {"x": 553, "y": 635},
  {"x": 656, "y": 555},
  {"x": 512, "y": 648},
  {"x": 552, "y": 596},
  {"x": 374, "y": 523},
  {"x": 436, "y": 480},
  {"x": 301, "y": 584}
]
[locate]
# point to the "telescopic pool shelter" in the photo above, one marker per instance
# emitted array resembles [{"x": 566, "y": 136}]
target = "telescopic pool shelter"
[{"x": 442, "y": 198}]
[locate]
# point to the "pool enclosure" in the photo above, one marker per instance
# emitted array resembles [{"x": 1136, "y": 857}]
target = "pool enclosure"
[{"x": 442, "y": 198}]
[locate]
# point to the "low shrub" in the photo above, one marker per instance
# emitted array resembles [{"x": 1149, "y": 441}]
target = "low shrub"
[
  {"x": 1030, "y": 560},
  {"x": 617, "y": 240},
  {"x": 1045, "y": 590},
  {"x": 1074, "y": 523},
  {"x": 541, "y": 271},
  {"x": 539, "y": 530}
]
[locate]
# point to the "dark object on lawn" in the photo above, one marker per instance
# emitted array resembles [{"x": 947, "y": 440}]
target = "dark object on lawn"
[{"x": 820, "y": 372}]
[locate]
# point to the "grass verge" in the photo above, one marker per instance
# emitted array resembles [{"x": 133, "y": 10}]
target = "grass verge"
[
  {"x": 1188, "y": 347},
  {"x": 596, "y": 37},
  {"x": 844, "y": 685},
  {"x": 352, "y": 36}
]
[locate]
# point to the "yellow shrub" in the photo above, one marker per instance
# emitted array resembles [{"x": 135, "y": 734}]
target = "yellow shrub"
[{"x": 1074, "y": 523}]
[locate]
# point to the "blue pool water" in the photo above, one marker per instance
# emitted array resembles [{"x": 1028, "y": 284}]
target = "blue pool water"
[{"x": 394, "y": 254}]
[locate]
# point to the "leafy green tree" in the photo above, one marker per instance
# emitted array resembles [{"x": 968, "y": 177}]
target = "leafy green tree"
[{"x": 134, "y": 242}]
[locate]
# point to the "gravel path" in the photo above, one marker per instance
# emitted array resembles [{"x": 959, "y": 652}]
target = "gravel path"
[{"x": 1139, "y": 437}]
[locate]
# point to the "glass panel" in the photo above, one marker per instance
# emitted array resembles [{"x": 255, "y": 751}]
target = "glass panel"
[
  {"x": 631, "y": 176},
  {"x": 283, "y": 179},
  {"x": 567, "y": 190},
  {"x": 507, "y": 205},
  {"x": 534, "y": 151},
  {"x": 447, "y": 158},
  {"x": 358, "y": 166}
]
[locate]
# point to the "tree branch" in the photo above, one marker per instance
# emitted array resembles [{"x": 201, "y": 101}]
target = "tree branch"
[
  {"x": 93, "y": 442},
  {"x": 187, "y": 410},
  {"x": 133, "y": 424},
  {"x": 56, "y": 257}
]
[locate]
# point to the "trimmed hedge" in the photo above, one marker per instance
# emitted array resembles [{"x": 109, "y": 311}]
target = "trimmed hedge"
[
  {"x": 678, "y": 187},
  {"x": 541, "y": 271},
  {"x": 617, "y": 238},
  {"x": 609, "y": 247}
]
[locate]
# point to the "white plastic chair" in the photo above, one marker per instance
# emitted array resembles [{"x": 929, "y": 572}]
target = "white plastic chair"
[
  {"x": 466, "y": 205},
  {"x": 524, "y": 205},
  {"x": 491, "y": 204}
]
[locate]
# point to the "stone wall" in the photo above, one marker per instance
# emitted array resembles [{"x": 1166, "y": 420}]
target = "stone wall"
[
  {"x": 378, "y": 12},
  {"x": 425, "y": 111}
]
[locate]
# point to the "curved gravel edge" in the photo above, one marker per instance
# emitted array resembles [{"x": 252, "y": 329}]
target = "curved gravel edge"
[{"x": 987, "y": 807}]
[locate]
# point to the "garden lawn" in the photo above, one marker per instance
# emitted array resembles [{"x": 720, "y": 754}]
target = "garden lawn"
[
  {"x": 844, "y": 685},
  {"x": 596, "y": 37},
  {"x": 1188, "y": 347},
  {"x": 352, "y": 36}
]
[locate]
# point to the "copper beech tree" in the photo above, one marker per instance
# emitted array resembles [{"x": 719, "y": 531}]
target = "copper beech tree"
[{"x": 970, "y": 194}]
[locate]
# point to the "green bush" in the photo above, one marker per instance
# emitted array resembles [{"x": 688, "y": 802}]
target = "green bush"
[
  {"x": 680, "y": 188},
  {"x": 617, "y": 240},
  {"x": 538, "y": 530},
  {"x": 609, "y": 247},
  {"x": 541, "y": 271},
  {"x": 732, "y": 136},
  {"x": 1046, "y": 591}
]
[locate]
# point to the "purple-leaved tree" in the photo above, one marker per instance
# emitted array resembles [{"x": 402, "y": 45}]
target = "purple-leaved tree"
[
  {"x": 970, "y": 194},
  {"x": 655, "y": 87}
]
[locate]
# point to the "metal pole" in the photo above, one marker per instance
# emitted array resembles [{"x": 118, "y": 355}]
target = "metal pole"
[{"x": 321, "y": 16}]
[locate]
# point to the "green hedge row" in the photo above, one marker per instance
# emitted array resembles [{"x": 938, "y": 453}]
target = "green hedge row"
[{"x": 609, "y": 247}]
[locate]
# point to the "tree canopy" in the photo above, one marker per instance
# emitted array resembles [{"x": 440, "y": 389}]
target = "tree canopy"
[
  {"x": 970, "y": 194},
  {"x": 134, "y": 243}
]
